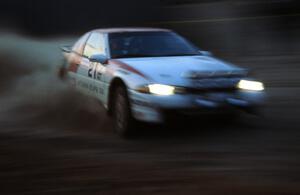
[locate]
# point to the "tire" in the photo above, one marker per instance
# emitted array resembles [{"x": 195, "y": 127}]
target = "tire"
[{"x": 122, "y": 118}]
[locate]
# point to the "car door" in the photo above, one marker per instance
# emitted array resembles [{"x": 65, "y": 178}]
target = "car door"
[
  {"x": 93, "y": 71},
  {"x": 83, "y": 82},
  {"x": 99, "y": 68},
  {"x": 75, "y": 60}
]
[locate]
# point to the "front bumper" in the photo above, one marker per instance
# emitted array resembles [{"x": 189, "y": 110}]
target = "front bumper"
[{"x": 153, "y": 108}]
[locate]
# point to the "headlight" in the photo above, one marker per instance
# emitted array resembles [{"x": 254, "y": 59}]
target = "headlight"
[
  {"x": 159, "y": 89},
  {"x": 251, "y": 85}
]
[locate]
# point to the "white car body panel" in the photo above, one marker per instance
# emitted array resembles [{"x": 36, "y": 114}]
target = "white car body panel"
[
  {"x": 95, "y": 79},
  {"x": 169, "y": 70}
]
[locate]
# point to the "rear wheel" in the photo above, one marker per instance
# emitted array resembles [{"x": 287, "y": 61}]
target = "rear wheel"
[{"x": 122, "y": 117}]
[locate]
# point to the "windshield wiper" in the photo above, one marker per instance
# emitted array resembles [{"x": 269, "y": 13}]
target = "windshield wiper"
[
  {"x": 131, "y": 55},
  {"x": 147, "y": 55},
  {"x": 183, "y": 54}
]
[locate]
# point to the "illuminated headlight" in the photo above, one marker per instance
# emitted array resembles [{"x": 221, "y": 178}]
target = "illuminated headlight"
[
  {"x": 159, "y": 89},
  {"x": 251, "y": 85}
]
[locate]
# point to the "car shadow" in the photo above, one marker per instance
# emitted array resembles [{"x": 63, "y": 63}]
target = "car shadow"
[{"x": 190, "y": 128}]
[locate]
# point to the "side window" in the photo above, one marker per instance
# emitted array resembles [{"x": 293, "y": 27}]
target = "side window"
[
  {"x": 79, "y": 45},
  {"x": 94, "y": 45}
]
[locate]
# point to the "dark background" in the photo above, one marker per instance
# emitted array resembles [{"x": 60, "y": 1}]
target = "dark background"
[
  {"x": 54, "y": 140},
  {"x": 227, "y": 27}
]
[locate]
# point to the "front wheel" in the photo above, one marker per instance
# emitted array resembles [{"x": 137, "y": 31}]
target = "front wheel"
[{"x": 122, "y": 118}]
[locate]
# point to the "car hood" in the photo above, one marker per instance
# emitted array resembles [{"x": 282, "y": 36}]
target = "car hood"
[{"x": 177, "y": 70}]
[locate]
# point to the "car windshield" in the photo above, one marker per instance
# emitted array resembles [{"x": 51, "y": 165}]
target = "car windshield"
[{"x": 149, "y": 44}]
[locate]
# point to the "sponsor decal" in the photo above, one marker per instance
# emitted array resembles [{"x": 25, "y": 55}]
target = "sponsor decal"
[
  {"x": 127, "y": 67},
  {"x": 213, "y": 74},
  {"x": 74, "y": 62},
  {"x": 90, "y": 87},
  {"x": 73, "y": 67}
]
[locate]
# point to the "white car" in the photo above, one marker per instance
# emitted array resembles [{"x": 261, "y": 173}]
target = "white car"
[{"x": 140, "y": 74}]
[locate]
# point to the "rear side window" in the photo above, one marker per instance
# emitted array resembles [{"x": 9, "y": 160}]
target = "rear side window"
[
  {"x": 94, "y": 45},
  {"x": 79, "y": 45}
]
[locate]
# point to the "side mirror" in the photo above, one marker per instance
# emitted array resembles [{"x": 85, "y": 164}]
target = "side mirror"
[
  {"x": 206, "y": 53},
  {"x": 98, "y": 58}
]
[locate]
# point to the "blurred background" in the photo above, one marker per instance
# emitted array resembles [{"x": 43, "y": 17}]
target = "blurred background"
[
  {"x": 56, "y": 141},
  {"x": 239, "y": 27}
]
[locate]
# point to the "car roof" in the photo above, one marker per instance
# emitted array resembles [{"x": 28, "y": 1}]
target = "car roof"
[{"x": 139, "y": 29}]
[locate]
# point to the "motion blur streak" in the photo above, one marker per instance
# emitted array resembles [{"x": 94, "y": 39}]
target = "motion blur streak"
[
  {"x": 56, "y": 141},
  {"x": 29, "y": 87}
]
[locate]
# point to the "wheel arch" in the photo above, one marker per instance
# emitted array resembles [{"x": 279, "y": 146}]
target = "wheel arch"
[{"x": 117, "y": 81}]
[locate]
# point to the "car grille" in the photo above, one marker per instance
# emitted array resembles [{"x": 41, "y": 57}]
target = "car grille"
[
  {"x": 209, "y": 90},
  {"x": 211, "y": 85}
]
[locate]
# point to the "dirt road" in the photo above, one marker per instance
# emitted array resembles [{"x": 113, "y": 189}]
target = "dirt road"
[{"x": 53, "y": 141}]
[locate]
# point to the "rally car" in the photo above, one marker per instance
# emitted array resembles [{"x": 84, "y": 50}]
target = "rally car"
[{"x": 141, "y": 74}]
